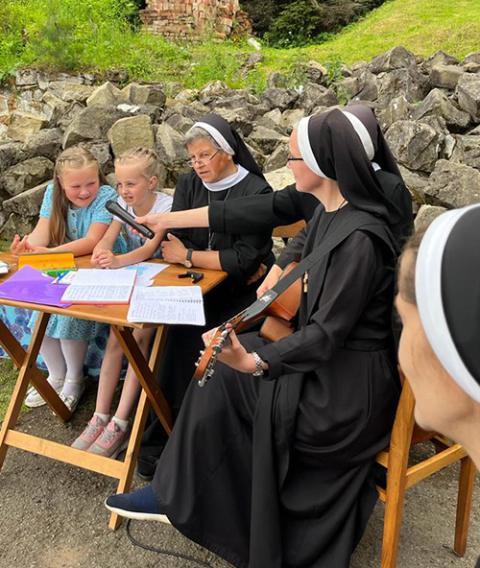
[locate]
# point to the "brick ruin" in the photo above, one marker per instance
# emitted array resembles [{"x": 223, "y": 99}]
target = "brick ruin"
[{"x": 188, "y": 19}]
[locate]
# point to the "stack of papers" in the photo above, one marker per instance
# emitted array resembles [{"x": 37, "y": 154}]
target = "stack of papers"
[
  {"x": 167, "y": 304},
  {"x": 98, "y": 286}
]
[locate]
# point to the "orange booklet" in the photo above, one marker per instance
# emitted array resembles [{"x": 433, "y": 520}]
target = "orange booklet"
[
  {"x": 47, "y": 261},
  {"x": 97, "y": 286}
]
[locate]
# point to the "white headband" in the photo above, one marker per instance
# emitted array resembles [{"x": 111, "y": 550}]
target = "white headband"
[
  {"x": 305, "y": 148},
  {"x": 362, "y": 133},
  {"x": 217, "y": 136},
  {"x": 428, "y": 290}
]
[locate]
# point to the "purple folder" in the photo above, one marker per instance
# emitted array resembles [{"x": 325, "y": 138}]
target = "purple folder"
[{"x": 30, "y": 285}]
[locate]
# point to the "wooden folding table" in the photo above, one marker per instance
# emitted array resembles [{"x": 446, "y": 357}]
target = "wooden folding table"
[{"x": 116, "y": 317}]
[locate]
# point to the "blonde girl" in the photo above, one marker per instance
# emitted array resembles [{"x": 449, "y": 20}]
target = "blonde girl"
[
  {"x": 137, "y": 173},
  {"x": 72, "y": 218}
]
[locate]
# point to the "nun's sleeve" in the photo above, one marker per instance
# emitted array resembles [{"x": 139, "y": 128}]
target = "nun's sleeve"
[
  {"x": 293, "y": 249},
  {"x": 355, "y": 269},
  {"x": 261, "y": 213},
  {"x": 182, "y": 201}
]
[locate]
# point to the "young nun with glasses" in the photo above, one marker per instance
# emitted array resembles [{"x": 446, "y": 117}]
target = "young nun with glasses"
[
  {"x": 223, "y": 170},
  {"x": 271, "y": 463}
]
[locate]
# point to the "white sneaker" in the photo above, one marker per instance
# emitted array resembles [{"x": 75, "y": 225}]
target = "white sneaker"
[{"x": 34, "y": 398}]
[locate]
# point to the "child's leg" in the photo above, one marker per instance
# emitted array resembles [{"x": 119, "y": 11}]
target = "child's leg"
[
  {"x": 109, "y": 376},
  {"x": 51, "y": 351},
  {"x": 74, "y": 351},
  {"x": 52, "y": 354},
  {"x": 114, "y": 437},
  {"x": 131, "y": 388}
]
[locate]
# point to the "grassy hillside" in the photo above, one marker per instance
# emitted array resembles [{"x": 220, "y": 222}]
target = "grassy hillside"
[{"x": 68, "y": 35}]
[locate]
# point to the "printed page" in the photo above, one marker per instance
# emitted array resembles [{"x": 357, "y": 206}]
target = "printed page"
[
  {"x": 167, "y": 304},
  {"x": 102, "y": 277}
]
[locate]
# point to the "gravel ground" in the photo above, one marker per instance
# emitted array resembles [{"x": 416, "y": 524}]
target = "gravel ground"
[{"x": 51, "y": 516}]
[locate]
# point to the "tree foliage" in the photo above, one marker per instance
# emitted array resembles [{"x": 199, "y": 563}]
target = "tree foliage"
[{"x": 286, "y": 23}]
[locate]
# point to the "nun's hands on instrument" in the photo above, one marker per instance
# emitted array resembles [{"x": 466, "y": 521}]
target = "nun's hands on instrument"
[
  {"x": 270, "y": 280},
  {"x": 233, "y": 352},
  {"x": 173, "y": 250}
]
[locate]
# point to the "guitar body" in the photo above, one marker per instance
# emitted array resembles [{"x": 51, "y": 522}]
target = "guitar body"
[
  {"x": 281, "y": 311},
  {"x": 276, "y": 326}
]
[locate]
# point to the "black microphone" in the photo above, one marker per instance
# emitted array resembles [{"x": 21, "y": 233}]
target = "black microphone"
[{"x": 124, "y": 215}]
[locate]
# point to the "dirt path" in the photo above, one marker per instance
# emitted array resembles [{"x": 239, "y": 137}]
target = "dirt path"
[{"x": 52, "y": 516}]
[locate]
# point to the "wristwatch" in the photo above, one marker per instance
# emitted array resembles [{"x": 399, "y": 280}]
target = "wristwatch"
[
  {"x": 188, "y": 260},
  {"x": 259, "y": 370}
]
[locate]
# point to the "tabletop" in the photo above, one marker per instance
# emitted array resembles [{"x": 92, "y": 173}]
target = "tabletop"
[{"x": 108, "y": 313}]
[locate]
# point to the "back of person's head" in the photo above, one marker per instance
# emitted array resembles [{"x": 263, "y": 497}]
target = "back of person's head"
[
  {"x": 145, "y": 158},
  {"x": 439, "y": 302},
  {"x": 73, "y": 158}
]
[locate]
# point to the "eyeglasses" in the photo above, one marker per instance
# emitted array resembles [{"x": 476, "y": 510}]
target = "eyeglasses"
[
  {"x": 202, "y": 160},
  {"x": 293, "y": 159}
]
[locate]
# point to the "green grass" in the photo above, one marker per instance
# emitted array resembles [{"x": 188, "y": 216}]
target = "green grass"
[
  {"x": 8, "y": 376},
  {"x": 93, "y": 35}
]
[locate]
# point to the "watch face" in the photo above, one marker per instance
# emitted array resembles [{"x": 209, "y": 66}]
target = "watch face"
[{"x": 188, "y": 264}]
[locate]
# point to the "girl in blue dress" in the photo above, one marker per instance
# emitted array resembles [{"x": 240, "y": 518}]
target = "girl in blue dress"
[
  {"x": 137, "y": 173},
  {"x": 72, "y": 218}
]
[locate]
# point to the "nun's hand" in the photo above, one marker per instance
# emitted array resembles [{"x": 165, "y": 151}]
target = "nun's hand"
[
  {"x": 261, "y": 270},
  {"x": 270, "y": 280},
  {"x": 236, "y": 356},
  {"x": 157, "y": 222},
  {"x": 173, "y": 250}
]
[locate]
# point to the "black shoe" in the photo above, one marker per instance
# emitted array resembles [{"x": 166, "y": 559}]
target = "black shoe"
[{"x": 140, "y": 505}]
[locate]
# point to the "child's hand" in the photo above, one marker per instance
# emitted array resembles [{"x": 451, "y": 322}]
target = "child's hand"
[
  {"x": 106, "y": 259},
  {"x": 38, "y": 249},
  {"x": 20, "y": 246},
  {"x": 94, "y": 257}
]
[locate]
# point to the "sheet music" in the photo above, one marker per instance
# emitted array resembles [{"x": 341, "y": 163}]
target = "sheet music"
[{"x": 167, "y": 304}]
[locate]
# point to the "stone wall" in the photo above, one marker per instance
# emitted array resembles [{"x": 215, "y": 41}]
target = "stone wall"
[
  {"x": 429, "y": 110},
  {"x": 186, "y": 19}
]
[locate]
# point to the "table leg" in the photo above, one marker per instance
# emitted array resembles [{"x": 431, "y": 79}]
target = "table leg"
[
  {"x": 138, "y": 425},
  {"x": 28, "y": 373},
  {"x": 19, "y": 357}
]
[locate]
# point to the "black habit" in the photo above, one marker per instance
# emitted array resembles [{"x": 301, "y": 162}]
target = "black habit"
[
  {"x": 240, "y": 255},
  {"x": 278, "y": 472}
]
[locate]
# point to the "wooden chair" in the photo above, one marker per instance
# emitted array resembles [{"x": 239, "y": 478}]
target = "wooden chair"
[
  {"x": 285, "y": 232},
  {"x": 401, "y": 476}
]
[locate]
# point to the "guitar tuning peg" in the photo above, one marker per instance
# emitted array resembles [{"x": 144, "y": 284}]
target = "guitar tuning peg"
[
  {"x": 196, "y": 363},
  {"x": 202, "y": 351}
]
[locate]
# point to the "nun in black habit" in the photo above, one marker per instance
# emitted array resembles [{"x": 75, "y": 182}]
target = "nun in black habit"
[
  {"x": 223, "y": 169},
  {"x": 288, "y": 205},
  {"x": 270, "y": 464}
]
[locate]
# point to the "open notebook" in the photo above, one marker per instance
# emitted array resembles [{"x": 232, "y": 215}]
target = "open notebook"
[
  {"x": 98, "y": 286},
  {"x": 167, "y": 304}
]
